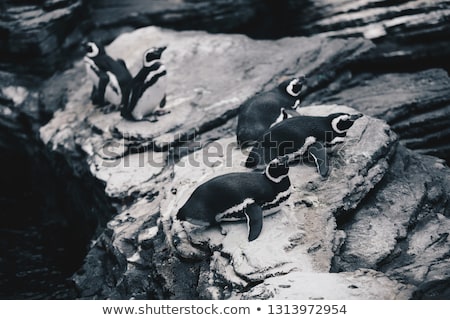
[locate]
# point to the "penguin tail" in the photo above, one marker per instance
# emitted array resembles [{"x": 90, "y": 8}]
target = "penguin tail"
[{"x": 181, "y": 215}]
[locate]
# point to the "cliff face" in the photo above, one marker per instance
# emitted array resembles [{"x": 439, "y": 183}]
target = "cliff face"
[{"x": 376, "y": 228}]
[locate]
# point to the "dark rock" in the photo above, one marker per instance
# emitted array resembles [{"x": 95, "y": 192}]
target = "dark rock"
[
  {"x": 416, "y": 105},
  {"x": 378, "y": 191},
  {"x": 36, "y": 37}
]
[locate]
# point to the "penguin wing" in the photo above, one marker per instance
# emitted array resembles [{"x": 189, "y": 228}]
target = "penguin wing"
[
  {"x": 254, "y": 216},
  {"x": 319, "y": 153},
  {"x": 121, "y": 71}
]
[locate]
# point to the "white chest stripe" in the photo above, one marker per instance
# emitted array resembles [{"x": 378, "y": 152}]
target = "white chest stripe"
[
  {"x": 91, "y": 63},
  {"x": 279, "y": 196},
  {"x": 276, "y": 180},
  {"x": 308, "y": 142},
  {"x": 149, "y": 77},
  {"x": 236, "y": 208}
]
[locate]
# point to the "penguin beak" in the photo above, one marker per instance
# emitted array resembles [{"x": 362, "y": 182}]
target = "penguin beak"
[
  {"x": 355, "y": 117},
  {"x": 161, "y": 49}
]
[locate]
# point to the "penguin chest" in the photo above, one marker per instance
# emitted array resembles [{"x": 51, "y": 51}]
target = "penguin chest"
[
  {"x": 150, "y": 99},
  {"x": 269, "y": 206},
  {"x": 113, "y": 91},
  {"x": 92, "y": 71}
]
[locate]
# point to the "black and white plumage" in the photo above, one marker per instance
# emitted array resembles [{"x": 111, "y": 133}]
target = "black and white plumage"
[
  {"x": 239, "y": 196},
  {"x": 303, "y": 135},
  {"x": 148, "y": 87},
  {"x": 259, "y": 112},
  {"x": 110, "y": 77}
]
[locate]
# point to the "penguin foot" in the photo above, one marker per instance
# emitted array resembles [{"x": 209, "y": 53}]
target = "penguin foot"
[
  {"x": 108, "y": 108},
  {"x": 161, "y": 112},
  {"x": 152, "y": 118}
]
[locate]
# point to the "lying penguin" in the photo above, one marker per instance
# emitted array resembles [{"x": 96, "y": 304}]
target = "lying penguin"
[
  {"x": 239, "y": 196},
  {"x": 303, "y": 135},
  {"x": 110, "y": 77},
  {"x": 148, "y": 88},
  {"x": 259, "y": 112}
]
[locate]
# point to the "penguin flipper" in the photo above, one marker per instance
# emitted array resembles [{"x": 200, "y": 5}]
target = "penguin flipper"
[
  {"x": 319, "y": 153},
  {"x": 254, "y": 216},
  {"x": 122, "y": 62},
  {"x": 134, "y": 93},
  {"x": 103, "y": 82}
]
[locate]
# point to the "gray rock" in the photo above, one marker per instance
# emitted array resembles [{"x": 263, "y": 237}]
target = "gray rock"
[
  {"x": 318, "y": 230},
  {"x": 37, "y": 35},
  {"x": 198, "y": 101},
  {"x": 362, "y": 284},
  {"x": 416, "y": 105}
]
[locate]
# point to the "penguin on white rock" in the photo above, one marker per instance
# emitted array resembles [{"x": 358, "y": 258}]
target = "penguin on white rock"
[
  {"x": 148, "y": 88},
  {"x": 303, "y": 135},
  {"x": 239, "y": 196},
  {"x": 258, "y": 113},
  {"x": 110, "y": 77}
]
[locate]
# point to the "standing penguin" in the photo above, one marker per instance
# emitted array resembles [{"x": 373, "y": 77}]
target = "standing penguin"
[
  {"x": 303, "y": 135},
  {"x": 110, "y": 77},
  {"x": 148, "y": 88},
  {"x": 239, "y": 196},
  {"x": 259, "y": 112}
]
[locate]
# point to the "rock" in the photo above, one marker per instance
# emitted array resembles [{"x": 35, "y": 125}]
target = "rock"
[
  {"x": 401, "y": 30},
  {"x": 212, "y": 16},
  {"x": 416, "y": 105},
  {"x": 148, "y": 170},
  {"x": 37, "y": 35},
  {"x": 198, "y": 101},
  {"x": 299, "y": 237},
  {"x": 361, "y": 284},
  {"x": 402, "y": 226}
]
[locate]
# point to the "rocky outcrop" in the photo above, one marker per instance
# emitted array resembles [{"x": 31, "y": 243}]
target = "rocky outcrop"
[
  {"x": 35, "y": 36},
  {"x": 402, "y": 30},
  {"x": 416, "y": 105},
  {"x": 377, "y": 189},
  {"x": 410, "y": 35}
]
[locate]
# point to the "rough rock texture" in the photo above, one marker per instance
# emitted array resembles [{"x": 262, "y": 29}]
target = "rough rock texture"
[
  {"x": 197, "y": 101},
  {"x": 149, "y": 168},
  {"x": 416, "y": 105},
  {"x": 302, "y": 237},
  {"x": 330, "y": 286},
  {"x": 410, "y": 35},
  {"x": 38, "y": 35}
]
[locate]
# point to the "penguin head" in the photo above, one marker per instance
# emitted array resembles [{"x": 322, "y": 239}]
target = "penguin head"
[
  {"x": 277, "y": 169},
  {"x": 93, "y": 49},
  {"x": 293, "y": 86},
  {"x": 153, "y": 54},
  {"x": 341, "y": 122}
]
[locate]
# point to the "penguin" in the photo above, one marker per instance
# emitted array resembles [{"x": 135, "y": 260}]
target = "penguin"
[
  {"x": 303, "y": 135},
  {"x": 110, "y": 77},
  {"x": 257, "y": 113},
  {"x": 148, "y": 87},
  {"x": 284, "y": 114},
  {"x": 239, "y": 196}
]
